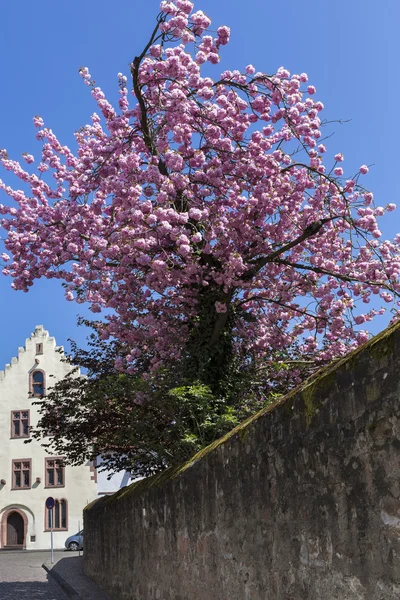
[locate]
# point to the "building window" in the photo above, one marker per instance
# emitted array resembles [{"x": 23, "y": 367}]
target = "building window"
[
  {"x": 37, "y": 384},
  {"x": 60, "y": 520},
  {"x": 39, "y": 348},
  {"x": 55, "y": 472},
  {"x": 21, "y": 473},
  {"x": 20, "y": 423}
]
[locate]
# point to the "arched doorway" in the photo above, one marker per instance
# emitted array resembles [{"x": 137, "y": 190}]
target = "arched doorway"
[
  {"x": 15, "y": 529},
  {"x": 14, "y": 525}
]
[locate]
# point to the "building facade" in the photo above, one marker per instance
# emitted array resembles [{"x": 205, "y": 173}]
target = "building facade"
[
  {"x": 28, "y": 475},
  {"x": 109, "y": 482}
]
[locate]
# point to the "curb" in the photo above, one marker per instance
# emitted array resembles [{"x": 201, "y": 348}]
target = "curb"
[{"x": 67, "y": 587}]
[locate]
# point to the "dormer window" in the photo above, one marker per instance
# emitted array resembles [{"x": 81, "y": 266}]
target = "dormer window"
[{"x": 37, "y": 383}]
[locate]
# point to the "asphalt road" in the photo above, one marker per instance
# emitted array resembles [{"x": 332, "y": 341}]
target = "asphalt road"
[{"x": 23, "y": 578}]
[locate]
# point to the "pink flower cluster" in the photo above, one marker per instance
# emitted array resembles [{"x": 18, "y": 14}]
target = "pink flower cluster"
[{"x": 194, "y": 186}]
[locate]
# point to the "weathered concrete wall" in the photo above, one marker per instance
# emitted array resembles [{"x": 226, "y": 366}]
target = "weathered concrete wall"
[{"x": 301, "y": 503}]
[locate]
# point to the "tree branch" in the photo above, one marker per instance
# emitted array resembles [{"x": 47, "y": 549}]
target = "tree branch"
[
  {"x": 147, "y": 136},
  {"x": 332, "y": 273},
  {"x": 309, "y": 231}
]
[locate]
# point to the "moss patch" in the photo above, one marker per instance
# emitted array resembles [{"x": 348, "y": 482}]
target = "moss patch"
[
  {"x": 372, "y": 391},
  {"x": 309, "y": 403}
]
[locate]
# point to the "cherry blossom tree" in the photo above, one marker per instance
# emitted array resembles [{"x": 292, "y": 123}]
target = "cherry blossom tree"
[{"x": 201, "y": 214}]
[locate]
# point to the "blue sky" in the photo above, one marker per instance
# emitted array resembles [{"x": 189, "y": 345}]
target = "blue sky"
[{"x": 350, "y": 51}]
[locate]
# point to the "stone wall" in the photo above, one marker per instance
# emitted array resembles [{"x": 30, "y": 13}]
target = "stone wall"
[{"x": 300, "y": 502}]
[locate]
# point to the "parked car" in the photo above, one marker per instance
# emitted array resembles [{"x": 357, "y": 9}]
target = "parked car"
[{"x": 75, "y": 542}]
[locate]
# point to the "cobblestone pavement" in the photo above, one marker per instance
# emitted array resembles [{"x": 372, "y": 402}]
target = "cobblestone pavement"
[{"x": 22, "y": 576}]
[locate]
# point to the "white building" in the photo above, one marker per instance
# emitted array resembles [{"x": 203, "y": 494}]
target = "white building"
[
  {"x": 108, "y": 482},
  {"x": 28, "y": 475}
]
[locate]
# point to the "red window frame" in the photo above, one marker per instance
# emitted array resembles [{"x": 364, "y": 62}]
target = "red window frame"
[
  {"x": 34, "y": 386},
  {"x": 22, "y": 422},
  {"x": 60, "y": 515},
  {"x": 54, "y": 470},
  {"x": 21, "y": 474}
]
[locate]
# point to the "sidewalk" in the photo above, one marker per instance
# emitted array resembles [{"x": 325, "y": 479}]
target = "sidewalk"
[{"x": 67, "y": 571}]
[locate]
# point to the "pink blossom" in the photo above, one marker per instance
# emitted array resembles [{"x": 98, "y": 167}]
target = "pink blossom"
[
  {"x": 220, "y": 307},
  {"x": 168, "y": 8},
  {"x": 28, "y": 158},
  {"x": 185, "y": 6},
  {"x": 174, "y": 161},
  {"x": 213, "y": 58},
  {"x": 195, "y": 214},
  {"x": 38, "y": 121},
  {"x": 84, "y": 73},
  {"x": 362, "y": 337},
  {"x": 184, "y": 249},
  {"x": 144, "y": 259},
  {"x": 359, "y": 319},
  {"x": 364, "y": 169},
  {"x": 201, "y": 57},
  {"x": 368, "y": 197},
  {"x": 201, "y": 20},
  {"x": 223, "y": 35},
  {"x": 156, "y": 51}
]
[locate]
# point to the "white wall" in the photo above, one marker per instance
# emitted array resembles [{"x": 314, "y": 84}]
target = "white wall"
[{"x": 109, "y": 482}]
